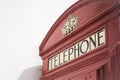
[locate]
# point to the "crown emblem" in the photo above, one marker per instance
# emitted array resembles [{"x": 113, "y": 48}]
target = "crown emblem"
[{"x": 70, "y": 25}]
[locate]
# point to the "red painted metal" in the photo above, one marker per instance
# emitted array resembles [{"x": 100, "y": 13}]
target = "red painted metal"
[{"x": 100, "y": 64}]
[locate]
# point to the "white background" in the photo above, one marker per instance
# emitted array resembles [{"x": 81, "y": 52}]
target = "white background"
[{"x": 23, "y": 25}]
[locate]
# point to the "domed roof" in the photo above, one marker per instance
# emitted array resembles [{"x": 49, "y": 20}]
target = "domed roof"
[{"x": 85, "y": 11}]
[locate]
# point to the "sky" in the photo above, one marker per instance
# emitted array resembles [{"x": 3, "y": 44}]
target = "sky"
[{"x": 23, "y": 25}]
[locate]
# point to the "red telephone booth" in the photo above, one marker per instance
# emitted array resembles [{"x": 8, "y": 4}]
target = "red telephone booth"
[{"x": 84, "y": 43}]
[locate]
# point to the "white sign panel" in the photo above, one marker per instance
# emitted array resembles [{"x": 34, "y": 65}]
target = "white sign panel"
[{"x": 90, "y": 43}]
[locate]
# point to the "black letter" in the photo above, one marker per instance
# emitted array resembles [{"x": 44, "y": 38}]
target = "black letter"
[
  {"x": 93, "y": 41},
  {"x": 64, "y": 55},
  {"x": 70, "y": 52},
  {"x": 50, "y": 63},
  {"x": 99, "y": 37},
  {"x": 84, "y": 41},
  {"x": 76, "y": 49},
  {"x": 55, "y": 61}
]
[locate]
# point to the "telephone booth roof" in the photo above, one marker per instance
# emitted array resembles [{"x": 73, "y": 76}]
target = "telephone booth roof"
[{"x": 86, "y": 11}]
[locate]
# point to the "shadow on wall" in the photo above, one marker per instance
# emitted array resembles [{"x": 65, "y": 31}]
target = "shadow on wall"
[{"x": 32, "y": 73}]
